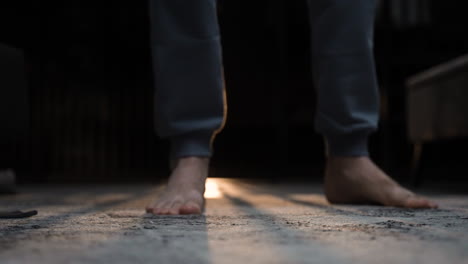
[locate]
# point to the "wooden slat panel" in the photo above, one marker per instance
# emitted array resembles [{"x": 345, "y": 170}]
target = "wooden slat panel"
[{"x": 437, "y": 102}]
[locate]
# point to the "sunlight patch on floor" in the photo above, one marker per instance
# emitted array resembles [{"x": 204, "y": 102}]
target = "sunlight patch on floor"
[{"x": 212, "y": 190}]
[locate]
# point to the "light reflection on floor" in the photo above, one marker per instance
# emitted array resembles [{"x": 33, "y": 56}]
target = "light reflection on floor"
[{"x": 212, "y": 190}]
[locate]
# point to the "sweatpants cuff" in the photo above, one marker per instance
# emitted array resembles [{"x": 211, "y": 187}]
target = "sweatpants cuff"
[
  {"x": 347, "y": 145},
  {"x": 197, "y": 144}
]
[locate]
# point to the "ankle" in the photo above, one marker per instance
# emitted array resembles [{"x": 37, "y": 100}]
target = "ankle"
[
  {"x": 188, "y": 162},
  {"x": 192, "y": 161},
  {"x": 189, "y": 171},
  {"x": 349, "y": 144},
  {"x": 345, "y": 161}
]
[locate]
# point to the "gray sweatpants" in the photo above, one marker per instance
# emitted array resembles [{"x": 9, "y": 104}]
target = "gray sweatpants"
[{"x": 190, "y": 96}]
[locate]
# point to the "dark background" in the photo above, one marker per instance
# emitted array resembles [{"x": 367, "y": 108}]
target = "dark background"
[{"x": 87, "y": 106}]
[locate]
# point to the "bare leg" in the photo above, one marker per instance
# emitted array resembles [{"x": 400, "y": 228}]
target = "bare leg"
[
  {"x": 353, "y": 180},
  {"x": 185, "y": 189}
]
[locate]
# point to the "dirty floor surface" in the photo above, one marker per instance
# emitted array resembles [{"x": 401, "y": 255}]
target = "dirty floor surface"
[{"x": 244, "y": 223}]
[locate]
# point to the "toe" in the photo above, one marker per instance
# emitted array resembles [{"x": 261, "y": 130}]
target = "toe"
[
  {"x": 433, "y": 205},
  {"x": 164, "y": 211},
  {"x": 175, "y": 209},
  {"x": 190, "y": 208},
  {"x": 419, "y": 203},
  {"x": 149, "y": 208},
  {"x": 159, "y": 208}
]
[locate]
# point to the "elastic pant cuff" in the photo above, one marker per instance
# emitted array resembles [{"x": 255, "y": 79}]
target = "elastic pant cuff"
[
  {"x": 197, "y": 144},
  {"x": 347, "y": 145}
]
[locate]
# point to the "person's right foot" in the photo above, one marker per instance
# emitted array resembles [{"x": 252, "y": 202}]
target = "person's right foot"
[
  {"x": 357, "y": 180},
  {"x": 185, "y": 189}
]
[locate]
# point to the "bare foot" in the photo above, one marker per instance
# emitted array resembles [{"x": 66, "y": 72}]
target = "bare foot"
[
  {"x": 354, "y": 180},
  {"x": 185, "y": 189}
]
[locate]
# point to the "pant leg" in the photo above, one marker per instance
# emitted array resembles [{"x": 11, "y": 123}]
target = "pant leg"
[
  {"x": 190, "y": 98},
  {"x": 344, "y": 73}
]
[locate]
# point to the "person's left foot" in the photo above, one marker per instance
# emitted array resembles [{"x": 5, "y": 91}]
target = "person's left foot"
[{"x": 356, "y": 180}]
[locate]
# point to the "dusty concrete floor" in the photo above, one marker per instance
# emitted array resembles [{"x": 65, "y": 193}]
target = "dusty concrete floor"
[{"x": 243, "y": 223}]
